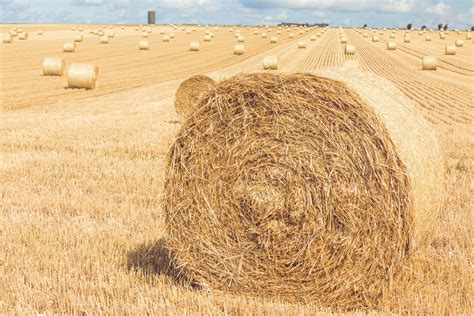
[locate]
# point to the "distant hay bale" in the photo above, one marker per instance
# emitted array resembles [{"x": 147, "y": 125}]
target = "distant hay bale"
[
  {"x": 23, "y": 36},
  {"x": 291, "y": 35},
  {"x": 189, "y": 93},
  {"x": 111, "y": 35},
  {"x": 313, "y": 38},
  {"x": 301, "y": 44},
  {"x": 73, "y": 28},
  {"x": 69, "y": 47},
  {"x": 392, "y": 35},
  {"x": 81, "y": 29},
  {"x": 350, "y": 50},
  {"x": 429, "y": 63},
  {"x": 343, "y": 40},
  {"x": 194, "y": 46},
  {"x": 459, "y": 43},
  {"x": 53, "y": 66},
  {"x": 144, "y": 45},
  {"x": 270, "y": 63},
  {"x": 442, "y": 35},
  {"x": 39, "y": 32},
  {"x": 239, "y": 49},
  {"x": 468, "y": 35},
  {"x": 295, "y": 188},
  {"x": 7, "y": 39},
  {"x": 255, "y": 33},
  {"x": 104, "y": 40},
  {"x": 241, "y": 39},
  {"x": 82, "y": 76},
  {"x": 450, "y": 50},
  {"x": 428, "y": 38},
  {"x": 274, "y": 40},
  {"x": 391, "y": 46},
  {"x": 207, "y": 38},
  {"x": 78, "y": 38},
  {"x": 407, "y": 39},
  {"x": 13, "y": 33},
  {"x": 365, "y": 35},
  {"x": 264, "y": 35},
  {"x": 375, "y": 39},
  {"x": 145, "y": 35},
  {"x": 166, "y": 38},
  {"x": 172, "y": 35}
]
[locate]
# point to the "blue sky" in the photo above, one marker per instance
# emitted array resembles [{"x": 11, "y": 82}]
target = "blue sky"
[{"x": 397, "y": 13}]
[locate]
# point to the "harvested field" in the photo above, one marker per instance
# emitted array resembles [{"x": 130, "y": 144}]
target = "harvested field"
[{"x": 82, "y": 171}]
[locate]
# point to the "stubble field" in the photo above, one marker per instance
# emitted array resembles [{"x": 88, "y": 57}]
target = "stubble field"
[{"x": 81, "y": 172}]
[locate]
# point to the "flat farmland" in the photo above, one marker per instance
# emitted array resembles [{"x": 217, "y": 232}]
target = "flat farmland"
[{"x": 82, "y": 171}]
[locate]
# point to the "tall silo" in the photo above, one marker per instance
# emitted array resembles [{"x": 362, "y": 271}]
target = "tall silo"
[{"x": 151, "y": 17}]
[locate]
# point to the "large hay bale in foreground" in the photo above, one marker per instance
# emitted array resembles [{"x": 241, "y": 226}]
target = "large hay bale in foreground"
[
  {"x": 293, "y": 187},
  {"x": 189, "y": 93}
]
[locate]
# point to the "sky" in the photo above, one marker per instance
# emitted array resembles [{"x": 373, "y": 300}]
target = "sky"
[{"x": 375, "y": 13}]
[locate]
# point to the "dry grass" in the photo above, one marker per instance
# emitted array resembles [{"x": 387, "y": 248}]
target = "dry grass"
[{"x": 80, "y": 179}]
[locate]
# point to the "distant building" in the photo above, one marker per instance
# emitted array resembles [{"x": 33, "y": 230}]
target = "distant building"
[{"x": 151, "y": 17}]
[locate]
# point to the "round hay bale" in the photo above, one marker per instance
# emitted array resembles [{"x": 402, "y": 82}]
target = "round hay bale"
[
  {"x": 40, "y": 32},
  {"x": 271, "y": 63},
  {"x": 296, "y": 189},
  {"x": 274, "y": 40},
  {"x": 365, "y": 35},
  {"x": 391, "y": 46},
  {"x": 111, "y": 35},
  {"x": 81, "y": 29},
  {"x": 350, "y": 50},
  {"x": 241, "y": 39},
  {"x": 407, "y": 39},
  {"x": 255, "y": 33},
  {"x": 172, "y": 35},
  {"x": 442, "y": 35},
  {"x": 264, "y": 35},
  {"x": 23, "y": 36},
  {"x": 428, "y": 38},
  {"x": 239, "y": 49},
  {"x": 291, "y": 35},
  {"x": 343, "y": 40},
  {"x": 13, "y": 33},
  {"x": 194, "y": 46},
  {"x": 450, "y": 50},
  {"x": 459, "y": 43},
  {"x": 313, "y": 38},
  {"x": 189, "y": 93},
  {"x": 104, "y": 40},
  {"x": 78, "y": 38},
  {"x": 207, "y": 38},
  {"x": 69, "y": 47},
  {"x": 143, "y": 45},
  {"x": 375, "y": 39},
  {"x": 53, "y": 66},
  {"x": 82, "y": 76},
  {"x": 429, "y": 63},
  {"x": 145, "y": 35},
  {"x": 7, "y": 39},
  {"x": 468, "y": 35},
  {"x": 301, "y": 44},
  {"x": 166, "y": 38},
  {"x": 392, "y": 35}
]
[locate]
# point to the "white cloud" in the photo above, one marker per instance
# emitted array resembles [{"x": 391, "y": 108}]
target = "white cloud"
[
  {"x": 400, "y": 6},
  {"x": 440, "y": 9}
]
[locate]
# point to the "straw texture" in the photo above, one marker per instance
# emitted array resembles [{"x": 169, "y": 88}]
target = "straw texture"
[{"x": 288, "y": 186}]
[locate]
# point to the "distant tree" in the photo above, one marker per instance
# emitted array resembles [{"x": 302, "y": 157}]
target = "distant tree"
[
  {"x": 423, "y": 27},
  {"x": 445, "y": 27},
  {"x": 409, "y": 26},
  {"x": 440, "y": 26},
  {"x": 472, "y": 28},
  {"x": 365, "y": 26}
]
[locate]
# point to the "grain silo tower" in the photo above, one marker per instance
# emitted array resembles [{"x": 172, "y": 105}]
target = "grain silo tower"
[{"x": 151, "y": 17}]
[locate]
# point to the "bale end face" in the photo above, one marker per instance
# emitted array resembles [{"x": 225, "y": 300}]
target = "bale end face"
[{"x": 189, "y": 93}]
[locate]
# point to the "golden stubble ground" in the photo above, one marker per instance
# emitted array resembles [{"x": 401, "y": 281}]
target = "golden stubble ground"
[{"x": 81, "y": 174}]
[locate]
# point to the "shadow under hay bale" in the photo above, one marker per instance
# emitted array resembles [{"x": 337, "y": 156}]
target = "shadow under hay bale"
[
  {"x": 155, "y": 258},
  {"x": 291, "y": 187}
]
